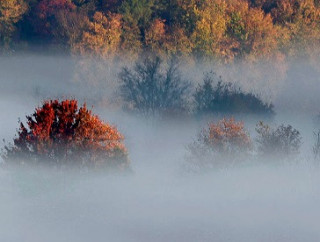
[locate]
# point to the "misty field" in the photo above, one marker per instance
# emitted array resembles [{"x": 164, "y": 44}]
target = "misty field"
[
  {"x": 271, "y": 199},
  {"x": 157, "y": 120}
]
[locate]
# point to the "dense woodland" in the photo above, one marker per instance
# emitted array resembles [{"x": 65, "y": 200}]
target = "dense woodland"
[{"x": 224, "y": 30}]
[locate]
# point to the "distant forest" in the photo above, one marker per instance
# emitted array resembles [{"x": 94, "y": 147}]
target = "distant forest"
[{"x": 224, "y": 30}]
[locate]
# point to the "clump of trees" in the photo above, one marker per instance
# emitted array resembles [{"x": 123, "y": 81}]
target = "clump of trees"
[
  {"x": 225, "y": 97},
  {"x": 153, "y": 87},
  {"x": 60, "y": 133},
  {"x": 220, "y": 144},
  {"x": 283, "y": 141},
  {"x": 219, "y": 29},
  {"x": 226, "y": 143}
]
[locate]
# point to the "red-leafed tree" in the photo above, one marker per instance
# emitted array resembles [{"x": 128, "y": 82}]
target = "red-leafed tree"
[{"x": 61, "y": 134}]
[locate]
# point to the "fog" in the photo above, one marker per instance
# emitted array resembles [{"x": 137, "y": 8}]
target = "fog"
[{"x": 159, "y": 200}]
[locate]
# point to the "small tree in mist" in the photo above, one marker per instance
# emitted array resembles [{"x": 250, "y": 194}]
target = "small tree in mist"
[
  {"x": 152, "y": 87},
  {"x": 316, "y": 146},
  {"x": 223, "y": 143},
  {"x": 281, "y": 141},
  {"x": 61, "y": 134},
  {"x": 226, "y": 98}
]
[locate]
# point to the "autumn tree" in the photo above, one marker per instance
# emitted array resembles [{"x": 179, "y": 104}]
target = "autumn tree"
[
  {"x": 251, "y": 32},
  {"x": 298, "y": 22},
  {"x": 301, "y": 20},
  {"x": 102, "y": 38},
  {"x": 45, "y": 16},
  {"x": 11, "y": 12},
  {"x": 71, "y": 26},
  {"x": 219, "y": 145},
  {"x": 209, "y": 33},
  {"x": 63, "y": 134},
  {"x": 166, "y": 41},
  {"x": 232, "y": 29}
]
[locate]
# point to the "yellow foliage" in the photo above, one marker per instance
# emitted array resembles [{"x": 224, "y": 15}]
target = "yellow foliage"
[
  {"x": 11, "y": 12},
  {"x": 211, "y": 27},
  {"x": 252, "y": 31},
  {"x": 232, "y": 29},
  {"x": 102, "y": 39}
]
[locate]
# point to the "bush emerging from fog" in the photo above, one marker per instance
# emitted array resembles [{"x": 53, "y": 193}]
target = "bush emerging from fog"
[
  {"x": 226, "y": 98},
  {"x": 61, "y": 134},
  {"x": 220, "y": 144},
  {"x": 151, "y": 87},
  {"x": 281, "y": 141},
  {"x": 316, "y": 146}
]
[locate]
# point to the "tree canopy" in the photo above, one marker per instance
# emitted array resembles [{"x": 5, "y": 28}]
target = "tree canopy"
[{"x": 226, "y": 30}]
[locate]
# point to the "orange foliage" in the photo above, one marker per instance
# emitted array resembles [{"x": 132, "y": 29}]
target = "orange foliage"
[
  {"x": 166, "y": 41},
  {"x": 155, "y": 35},
  {"x": 227, "y": 134},
  {"x": 222, "y": 144},
  {"x": 252, "y": 31},
  {"x": 62, "y": 133}
]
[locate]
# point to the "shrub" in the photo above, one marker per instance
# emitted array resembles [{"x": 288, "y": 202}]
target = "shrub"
[
  {"x": 222, "y": 143},
  {"x": 316, "y": 146},
  {"x": 61, "y": 134},
  {"x": 151, "y": 88},
  {"x": 282, "y": 141},
  {"x": 226, "y": 98}
]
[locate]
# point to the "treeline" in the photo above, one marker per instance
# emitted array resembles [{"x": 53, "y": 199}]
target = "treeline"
[
  {"x": 221, "y": 29},
  {"x": 63, "y": 135},
  {"x": 154, "y": 87}
]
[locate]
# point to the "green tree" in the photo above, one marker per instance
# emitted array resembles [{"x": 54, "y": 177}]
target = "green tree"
[{"x": 138, "y": 13}]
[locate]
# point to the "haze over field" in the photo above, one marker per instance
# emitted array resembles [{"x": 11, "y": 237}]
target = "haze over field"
[
  {"x": 157, "y": 120},
  {"x": 159, "y": 201}
]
